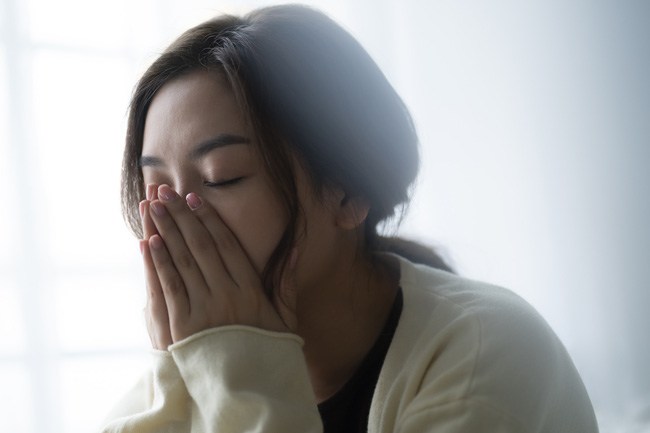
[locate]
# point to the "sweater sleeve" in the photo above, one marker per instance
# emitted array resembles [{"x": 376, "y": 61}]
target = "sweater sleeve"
[
  {"x": 244, "y": 379},
  {"x": 158, "y": 402},
  {"x": 230, "y": 379}
]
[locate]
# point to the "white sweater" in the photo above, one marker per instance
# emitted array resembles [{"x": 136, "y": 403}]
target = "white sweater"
[{"x": 466, "y": 357}]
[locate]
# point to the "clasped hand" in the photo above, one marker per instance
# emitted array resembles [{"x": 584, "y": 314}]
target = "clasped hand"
[{"x": 197, "y": 274}]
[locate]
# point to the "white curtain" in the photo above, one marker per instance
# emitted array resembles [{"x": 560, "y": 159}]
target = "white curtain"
[{"x": 534, "y": 119}]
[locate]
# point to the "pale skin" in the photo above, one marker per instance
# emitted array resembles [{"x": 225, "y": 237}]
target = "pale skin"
[{"x": 211, "y": 221}]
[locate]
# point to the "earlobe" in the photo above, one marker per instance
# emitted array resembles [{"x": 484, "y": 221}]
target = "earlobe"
[{"x": 352, "y": 212}]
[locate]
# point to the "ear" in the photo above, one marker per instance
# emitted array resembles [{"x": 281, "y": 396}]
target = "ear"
[{"x": 350, "y": 212}]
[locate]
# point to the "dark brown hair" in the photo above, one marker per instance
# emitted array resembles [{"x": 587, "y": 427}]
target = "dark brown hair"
[{"x": 309, "y": 90}]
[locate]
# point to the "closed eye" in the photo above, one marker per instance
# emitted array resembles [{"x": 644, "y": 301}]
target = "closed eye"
[{"x": 222, "y": 183}]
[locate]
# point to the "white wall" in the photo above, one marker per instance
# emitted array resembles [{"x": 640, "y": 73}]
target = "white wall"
[{"x": 535, "y": 124}]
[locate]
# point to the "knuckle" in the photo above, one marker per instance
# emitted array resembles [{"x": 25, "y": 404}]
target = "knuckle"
[
  {"x": 154, "y": 298},
  {"x": 174, "y": 285},
  {"x": 200, "y": 244},
  {"x": 227, "y": 241},
  {"x": 184, "y": 261}
]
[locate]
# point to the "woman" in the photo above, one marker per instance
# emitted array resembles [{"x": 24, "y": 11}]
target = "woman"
[{"x": 263, "y": 152}]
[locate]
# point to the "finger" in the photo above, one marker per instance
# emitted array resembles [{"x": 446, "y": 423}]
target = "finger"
[
  {"x": 156, "y": 309},
  {"x": 198, "y": 241},
  {"x": 152, "y": 191},
  {"x": 235, "y": 259},
  {"x": 148, "y": 226},
  {"x": 171, "y": 283}
]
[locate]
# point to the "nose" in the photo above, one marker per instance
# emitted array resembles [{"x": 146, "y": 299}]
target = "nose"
[{"x": 184, "y": 186}]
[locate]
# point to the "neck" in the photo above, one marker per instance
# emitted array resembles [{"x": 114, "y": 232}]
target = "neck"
[{"x": 341, "y": 319}]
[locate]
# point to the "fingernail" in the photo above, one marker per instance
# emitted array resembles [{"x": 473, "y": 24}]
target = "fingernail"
[
  {"x": 151, "y": 188},
  {"x": 166, "y": 193},
  {"x": 155, "y": 242},
  {"x": 158, "y": 208},
  {"x": 193, "y": 201},
  {"x": 141, "y": 208}
]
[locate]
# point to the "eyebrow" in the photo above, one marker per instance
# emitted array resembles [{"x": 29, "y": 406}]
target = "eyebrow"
[
  {"x": 200, "y": 150},
  {"x": 220, "y": 140}
]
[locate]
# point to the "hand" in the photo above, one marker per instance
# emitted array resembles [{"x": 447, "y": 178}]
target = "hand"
[{"x": 205, "y": 277}]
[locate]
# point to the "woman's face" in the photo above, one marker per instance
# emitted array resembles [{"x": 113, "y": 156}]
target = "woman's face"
[{"x": 196, "y": 139}]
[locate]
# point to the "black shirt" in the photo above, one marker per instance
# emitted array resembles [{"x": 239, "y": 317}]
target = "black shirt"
[{"x": 347, "y": 411}]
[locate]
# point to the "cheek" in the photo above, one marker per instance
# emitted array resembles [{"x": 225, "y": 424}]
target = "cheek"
[{"x": 258, "y": 223}]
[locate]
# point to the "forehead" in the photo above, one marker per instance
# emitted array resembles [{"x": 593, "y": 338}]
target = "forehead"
[{"x": 191, "y": 109}]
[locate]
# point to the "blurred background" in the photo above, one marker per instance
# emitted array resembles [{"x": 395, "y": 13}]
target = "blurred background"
[{"x": 534, "y": 119}]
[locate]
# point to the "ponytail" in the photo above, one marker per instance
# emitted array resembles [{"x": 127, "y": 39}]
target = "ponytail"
[{"x": 413, "y": 251}]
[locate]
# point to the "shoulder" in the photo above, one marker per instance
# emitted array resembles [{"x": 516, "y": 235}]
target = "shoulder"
[
  {"x": 464, "y": 343},
  {"x": 480, "y": 317},
  {"x": 474, "y": 330}
]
